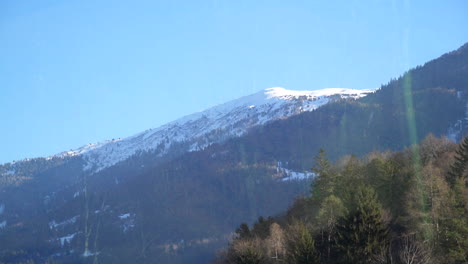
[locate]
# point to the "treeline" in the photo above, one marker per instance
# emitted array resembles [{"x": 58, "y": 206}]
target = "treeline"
[{"x": 402, "y": 207}]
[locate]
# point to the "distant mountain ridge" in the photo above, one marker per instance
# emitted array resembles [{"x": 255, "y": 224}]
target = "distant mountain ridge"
[{"x": 214, "y": 125}]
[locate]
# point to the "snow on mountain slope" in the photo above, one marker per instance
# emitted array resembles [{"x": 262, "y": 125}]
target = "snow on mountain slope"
[{"x": 217, "y": 124}]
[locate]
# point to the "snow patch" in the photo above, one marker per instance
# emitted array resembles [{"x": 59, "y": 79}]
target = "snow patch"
[
  {"x": 128, "y": 221},
  {"x": 89, "y": 253},
  {"x": 124, "y": 216},
  {"x": 455, "y": 132},
  {"x": 290, "y": 175},
  {"x": 53, "y": 224},
  {"x": 279, "y": 92},
  {"x": 2, "y": 208},
  {"x": 3, "y": 224},
  {"x": 296, "y": 176},
  {"x": 67, "y": 238}
]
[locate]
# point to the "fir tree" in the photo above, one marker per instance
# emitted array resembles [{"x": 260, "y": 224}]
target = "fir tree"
[
  {"x": 324, "y": 182},
  {"x": 243, "y": 231},
  {"x": 301, "y": 248},
  {"x": 456, "y": 235},
  {"x": 457, "y": 170},
  {"x": 362, "y": 235}
]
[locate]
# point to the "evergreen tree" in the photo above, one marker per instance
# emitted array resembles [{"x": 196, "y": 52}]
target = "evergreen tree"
[
  {"x": 243, "y": 231},
  {"x": 324, "y": 183},
  {"x": 261, "y": 228},
  {"x": 456, "y": 235},
  {"x": 390, "y": 183},
  {"x": 301, "y": 246},
  {"x": 362, "y": 235},
  {"x": 457, "y": 170}
]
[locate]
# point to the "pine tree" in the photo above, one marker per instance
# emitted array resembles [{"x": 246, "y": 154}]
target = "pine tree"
[
  {"x": 243, "y": 232},
  {"x": 390, "y": 182},
  {"x": 261, "y": 228},
  {"x": 362, "y": 235},
  {"x": 324, "y": 183},
  {"x": 456, "y": 235},
  {"x": 457, "y": 170},
  {"x": 301, "y": 246}
]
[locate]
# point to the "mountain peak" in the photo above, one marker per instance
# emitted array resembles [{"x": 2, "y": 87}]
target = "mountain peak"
[{"x": 216, "y": 124}]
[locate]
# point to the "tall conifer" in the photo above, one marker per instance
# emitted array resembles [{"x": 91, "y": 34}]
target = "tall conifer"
[{"x": 362, "y": 235}]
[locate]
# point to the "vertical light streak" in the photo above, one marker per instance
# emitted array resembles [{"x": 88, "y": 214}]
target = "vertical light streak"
[{"x": 413, "y": 137}]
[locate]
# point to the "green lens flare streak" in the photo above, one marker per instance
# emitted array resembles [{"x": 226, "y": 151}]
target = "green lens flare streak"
[{"x": 417, "y": 167}]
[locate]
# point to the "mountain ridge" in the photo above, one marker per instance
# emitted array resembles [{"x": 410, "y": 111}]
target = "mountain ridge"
[{"x": 213, "y": 125}]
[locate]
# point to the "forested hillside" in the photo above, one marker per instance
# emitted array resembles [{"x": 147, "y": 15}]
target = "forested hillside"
[{"x": 387, "y": 207}]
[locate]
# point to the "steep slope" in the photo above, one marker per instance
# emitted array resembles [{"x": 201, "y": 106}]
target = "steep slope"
[
  {"x": 190, "y": 133},
  {"x": 217, "y": 124}
]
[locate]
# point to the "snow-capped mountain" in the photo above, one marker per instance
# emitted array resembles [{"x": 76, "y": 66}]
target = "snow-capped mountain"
[
  {"x": 182, "y": 206},
  {"x": 214, "y": 125}
]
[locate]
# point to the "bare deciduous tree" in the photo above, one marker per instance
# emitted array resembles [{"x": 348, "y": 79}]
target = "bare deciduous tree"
[
  {"x": 412, "y": 252},
  {"x": 276, "y": 243}
]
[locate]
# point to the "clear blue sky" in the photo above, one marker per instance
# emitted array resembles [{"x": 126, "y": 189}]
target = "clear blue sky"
[{"x": 75, "y": 72}]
